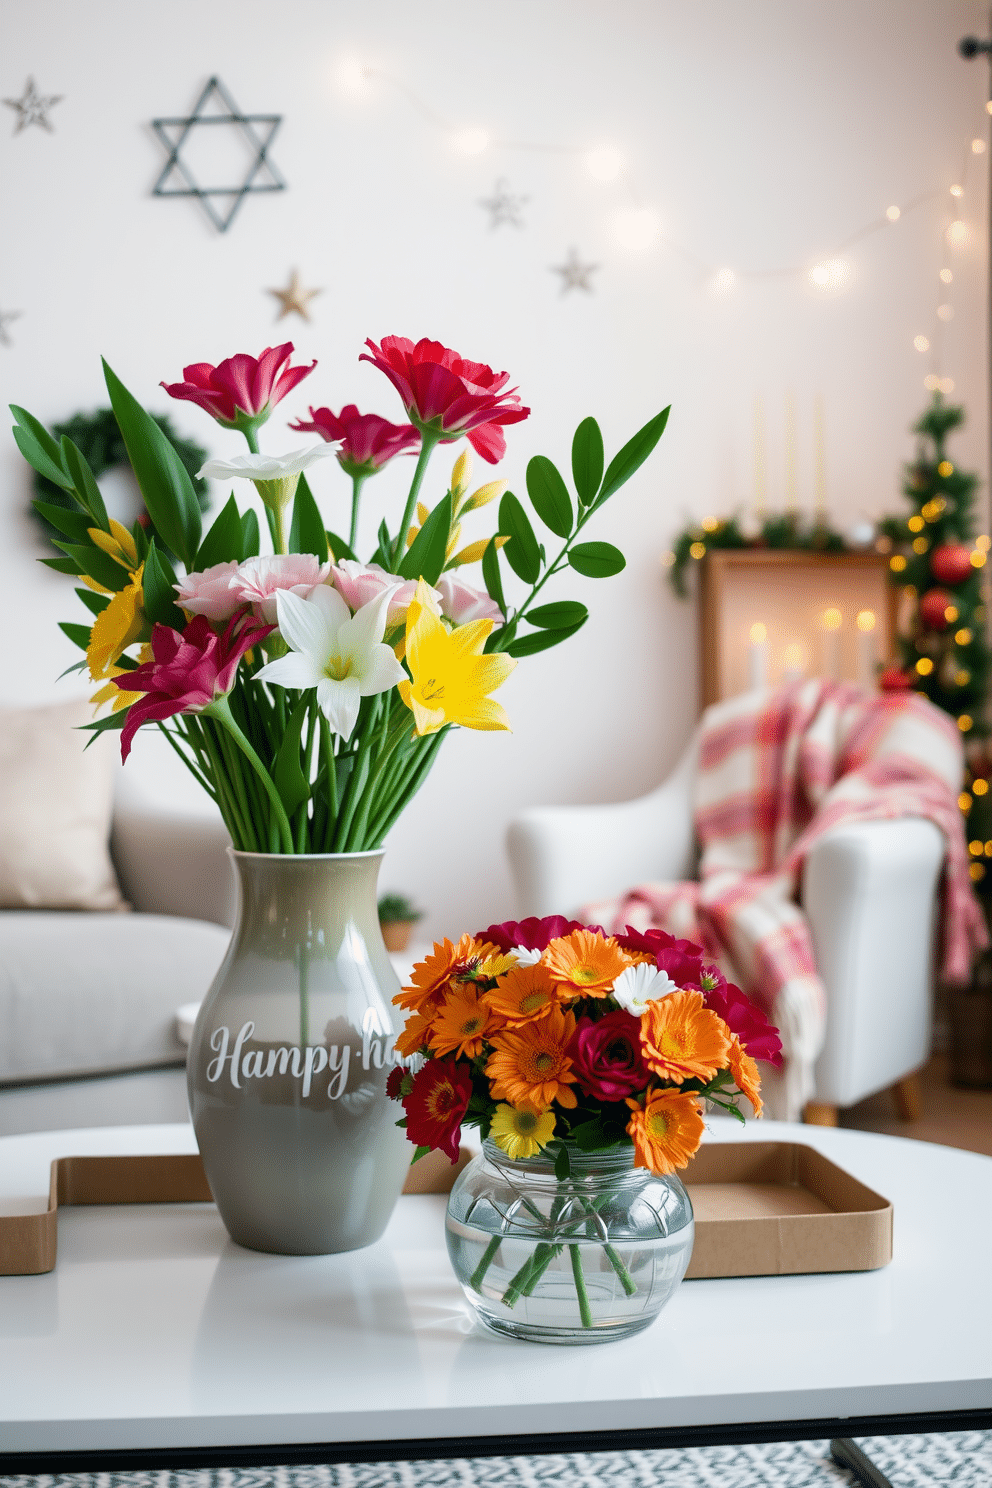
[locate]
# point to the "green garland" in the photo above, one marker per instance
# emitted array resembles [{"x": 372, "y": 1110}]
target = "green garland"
[
  {"x": 99, "y": 441},
  {"x": 784, "y": 532}
]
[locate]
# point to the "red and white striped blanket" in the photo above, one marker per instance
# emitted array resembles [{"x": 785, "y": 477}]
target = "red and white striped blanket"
[{"x": 776, "y": 771}]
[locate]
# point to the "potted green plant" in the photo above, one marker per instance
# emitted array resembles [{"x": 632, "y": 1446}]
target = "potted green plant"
[{"x": 397, "y": 918}]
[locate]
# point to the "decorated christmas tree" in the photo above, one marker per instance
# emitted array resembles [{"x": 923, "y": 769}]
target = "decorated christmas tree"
[{"x": 939, "y": 561}]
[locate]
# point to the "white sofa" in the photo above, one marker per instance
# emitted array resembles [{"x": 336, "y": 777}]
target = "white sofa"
[
  {"x": 88, "y": 998},
  {"x": 869, "y": 892}
]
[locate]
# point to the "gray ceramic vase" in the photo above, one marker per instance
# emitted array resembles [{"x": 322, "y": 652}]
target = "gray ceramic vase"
[{"x": 290, "y": 1055}]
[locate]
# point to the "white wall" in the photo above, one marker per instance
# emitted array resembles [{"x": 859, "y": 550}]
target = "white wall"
[{"x": 765, "y": 135}]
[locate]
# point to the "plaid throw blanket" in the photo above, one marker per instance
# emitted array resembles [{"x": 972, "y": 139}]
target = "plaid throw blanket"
[{"x": 776, "y": 771}]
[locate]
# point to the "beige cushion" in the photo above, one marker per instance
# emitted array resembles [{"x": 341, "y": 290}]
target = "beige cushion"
[{"x": 56, "y": 798}]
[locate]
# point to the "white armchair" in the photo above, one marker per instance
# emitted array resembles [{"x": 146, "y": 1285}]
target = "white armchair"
[{"x": 868, "y": 890}]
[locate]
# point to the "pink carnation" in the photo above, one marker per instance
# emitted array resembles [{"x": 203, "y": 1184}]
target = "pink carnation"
[
  {"x": 209, "y": 593},
  {"x": 359, "y": 583},
  {"x": 461, "y": 603},
  {"x": 258, "y": 580}
]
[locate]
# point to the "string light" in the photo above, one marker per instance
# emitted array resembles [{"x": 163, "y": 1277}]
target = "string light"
[
  {"x": 980, "y": 787},
  {"x": 978, "y": 147},
  {"x": 865, "y": 621},
  {"x": 983, "y": 543},
  {"x": 605, "y": 164},
  {"x": 758, "y": 633},
  {"x": 965, "y": 722},
  {"x": 944, "y": 469},
  {"x": 921, "y": 343},
  {"x": 957, "y": 232},
  {"x": 471, "y": 141},
  {"x": 897, "y": 563},
  {"x": 962, "y": 637},
  {"x": 946, "y": 277},
  {"x": 724, "y": 280},
  {"x": 893, "y": 214},
  {"x": 931, "y": 382},
  {"x": 946, "y": 385},
  {"x": 832, "y": 619},
  {"x": 945, "y": 312},
  {"x": 638, "y": 229},
  {"x": 924, "y": 666},
  {"x": 832, "y": 274},
  {"x": 957, "y": 190},
  {"x": 964, "y": 802}
]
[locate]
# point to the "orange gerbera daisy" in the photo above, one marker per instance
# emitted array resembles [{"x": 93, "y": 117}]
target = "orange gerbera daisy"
[
  {"x": 523, "y": 994},
  {"x": 681, "y": 1039},
  {"x": 416, "y": 1033},
  {"x": 584, "y": 964},
  {"x": 467, "y": 960},
  {"x": 745, "y": 1073},
  {"x": 666, "y": 1130},
  {"x": 461, "y": 1024},
  {"x": 530, "y": 1067}
]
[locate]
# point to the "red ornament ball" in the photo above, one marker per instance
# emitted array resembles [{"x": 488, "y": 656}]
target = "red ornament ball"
[
  {"x": 894, "y": 679},
  {"x": 933, "y": 605},
  {"x": 951, "y": 563}
]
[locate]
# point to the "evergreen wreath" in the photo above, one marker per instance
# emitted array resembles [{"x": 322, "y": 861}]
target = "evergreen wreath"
[
  {"x": 780, "y": 532},
  {"x": 99, "y": 441}
]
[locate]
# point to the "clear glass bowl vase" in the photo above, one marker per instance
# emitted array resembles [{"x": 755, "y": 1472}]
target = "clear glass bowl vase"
[{"x": 588, "y": 1259}]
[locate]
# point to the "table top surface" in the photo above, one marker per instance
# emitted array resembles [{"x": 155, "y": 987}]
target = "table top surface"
[{"x": 156, "y": 1331}]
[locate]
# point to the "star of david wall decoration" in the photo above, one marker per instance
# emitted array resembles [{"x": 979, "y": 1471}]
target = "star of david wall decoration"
[{"x": 218, "y": 138}]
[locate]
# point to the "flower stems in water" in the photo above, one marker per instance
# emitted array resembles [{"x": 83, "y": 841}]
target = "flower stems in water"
[{"x": 585, "y": 1311}]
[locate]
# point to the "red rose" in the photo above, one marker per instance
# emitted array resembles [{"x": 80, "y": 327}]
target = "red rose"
[
  {"x": 436, "y": 1104},
  {"x": 606, "y": 1056}
]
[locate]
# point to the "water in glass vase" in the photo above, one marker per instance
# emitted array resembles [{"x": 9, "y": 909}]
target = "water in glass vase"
[{"x": 586, "y": 1260}]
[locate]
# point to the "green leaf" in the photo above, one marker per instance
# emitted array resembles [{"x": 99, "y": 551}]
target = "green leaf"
[
  {"x": 291, "y": 783},
  {"x": 596, "y": 560},
  {"x": 587, "y": 460},
  {"x": 48, "y": 444},
  {"x": 425, "y": 558},
  {"x": 541, "y": 640},
  {"x": 79, "y": 635},
  {"x": 164, "y": 481},
  {"x": 339, "y": 548},
  {"x": 63, "y": 565},
  {"x": 633, "y": 454},
  {"x": 251, "y": 538},
  {"x": 73, "y": 524},
  {"x": 113, "y": 722},
  {"x": 95, "y": 603},
  {"x": 522, "y": 551},
  {"x": 562, "y": 615},
  {"x": 158, "y": 583},
  {"x": 420, "y": 1152},
  {"x": 39, "y": 460},
  {"x": 563, "y": 1166},
  {"x": 306, "y": 531},
  {"x": 491, "y": 574},
  {"x": 86, "y": 488},
  {"x": 97, "y": 564},
  {"x": 223, "y": 541},
  {"x": 549, "y": 496},
  {"x": 383, "y": 552}
]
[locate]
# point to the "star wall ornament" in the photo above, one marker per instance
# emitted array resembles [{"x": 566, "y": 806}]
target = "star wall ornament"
[
  {"x": 294, "y": 299},
  {"x": 215, "y": 108},
  {"x": 32, "y": 108},
  {"x": 6, "y": 316},
  {"x": 504, "y": 205},
  {"x": 575, "y": 274}
]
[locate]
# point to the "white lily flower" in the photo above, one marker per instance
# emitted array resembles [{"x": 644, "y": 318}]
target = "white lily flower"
[
  {"x": 339, "y": 653},
  {"x": 266, "y": 467},
  {"x": 641, "y": 984},
  {"x": 526, "y": 956}
]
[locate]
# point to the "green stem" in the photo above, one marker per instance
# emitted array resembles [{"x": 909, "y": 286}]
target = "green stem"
[
  {"x": 357, "y": 482},
  {"x": 280, "y": 536},
  {"x": 519, "y": 1282},
  {"x": 585, "y": 1311},
  {"x": 220, "y": 710},
  {"x": 478, "y": 1275},
  {"x": 541, "y": 1265},
  {"x": 427, "y": 443}
]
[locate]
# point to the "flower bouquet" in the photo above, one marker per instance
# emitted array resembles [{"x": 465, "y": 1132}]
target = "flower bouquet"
[
  {"x": 584, "y": 1059},
  {"x": 308, "y": 691}
]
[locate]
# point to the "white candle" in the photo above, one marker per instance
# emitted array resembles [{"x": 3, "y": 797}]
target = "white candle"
[
  {"x": 831, "y": 622},
  {"x": 757, "y": 656},
  {"x": 792, "y": 662},
  {"x": 866, "y": 647}
]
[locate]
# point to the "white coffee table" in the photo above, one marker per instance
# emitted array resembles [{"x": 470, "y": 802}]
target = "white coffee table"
[{"x": 156, "y": 1340}]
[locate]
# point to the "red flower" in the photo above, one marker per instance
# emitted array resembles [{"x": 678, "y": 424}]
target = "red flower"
[
  {"x": 394, "y": 1082},
  {"x": 189, "y": 671},
  {"x": 534, "y": 934},
  {"x": 606, "y": 1056},
  {"x": 241, "y": 392},
  {"x": 741, "y": 1016},
  {"x": 446, "y": 395},
  {"x": 367, "y": 441},
  {"x": 682, "y": 959},
  {"x": 436, "y": 1104}
]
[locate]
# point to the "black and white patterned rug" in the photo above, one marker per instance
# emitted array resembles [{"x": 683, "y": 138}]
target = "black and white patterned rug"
[{"x": 962, "y": 1458}]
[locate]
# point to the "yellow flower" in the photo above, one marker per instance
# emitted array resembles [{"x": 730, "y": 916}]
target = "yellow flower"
[
  {"x": 116, "y": 627},
  {"x": 521, "y": 1133},
  {"x": 475, "y": 550},
  {"x": 118, "y": 543},
  {"x": 111, "y": 693},
  {"x": 461, "y": 474},
  {"x": 451, "y": 676}
]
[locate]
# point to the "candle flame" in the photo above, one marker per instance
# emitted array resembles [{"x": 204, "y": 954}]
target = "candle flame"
[
  {"x": 866, "y": 621},
  {"x": 832, "y": 619},
  {"x": 759, "y": 633}
]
